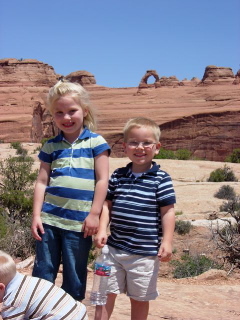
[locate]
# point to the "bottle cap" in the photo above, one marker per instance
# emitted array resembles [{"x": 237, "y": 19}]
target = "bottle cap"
[{"x": 105, "y": 249}]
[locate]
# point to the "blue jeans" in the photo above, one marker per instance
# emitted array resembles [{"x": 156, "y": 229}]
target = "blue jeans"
[{"x": 69, "y": 247}]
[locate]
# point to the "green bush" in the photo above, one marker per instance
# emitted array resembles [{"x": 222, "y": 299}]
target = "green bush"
[
  {"x": 178, "y": 213},
  {"x": 222, "y": 174},
  {"x": 18, "y": 240},
  {"x": 225, "y": 192},
  {"x": 15, "y": 145},
  {"x": 232, "y": 206},
  {"x": 227, "y": 237},
  {"x": 183, "y": 154},
  {"x": 192, "y": 266},
  {"x": 44, "y": 140},
  {"x": 3, "y": 224},
  {"x": 234, "y": 157},
  {"x": 20, "y": 150},
  {"x": 165, "y": 154},
  {"x": 183, "y": 227}
]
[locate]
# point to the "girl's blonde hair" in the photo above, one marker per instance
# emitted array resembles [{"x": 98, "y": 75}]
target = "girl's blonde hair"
[
  {"x": 80, "y": 96},
  {"x": 7, "y": 268},
  {"x": 139, "y": 123}
]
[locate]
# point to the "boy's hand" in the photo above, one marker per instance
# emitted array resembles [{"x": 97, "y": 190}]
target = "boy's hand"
[
  {"x": 37, "y": 228},
  {"x": 100, "y": 239},
  {"x": 90, "y": 225},
  {"x": 165, "y": 252}
]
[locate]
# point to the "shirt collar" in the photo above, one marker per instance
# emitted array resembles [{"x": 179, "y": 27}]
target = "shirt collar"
[
  {"x": 83, "y": 135},
  {"x": 128, "y": 169}
]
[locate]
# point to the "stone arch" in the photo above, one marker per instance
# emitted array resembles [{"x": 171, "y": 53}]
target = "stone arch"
[{"x": 149, "y": 73}]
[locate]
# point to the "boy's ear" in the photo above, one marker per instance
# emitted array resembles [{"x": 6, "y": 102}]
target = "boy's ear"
[
  {"x": 2, "y": 286},
  {"x": 124, "y": 146},
  {"x": 2, "y": 291},
  {"x": 158, "y": 146}
]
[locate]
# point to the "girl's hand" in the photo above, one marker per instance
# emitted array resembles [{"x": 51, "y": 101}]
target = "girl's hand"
[
  {"x": 90, "y": 225},
  {"x": 37, "y": 228}
]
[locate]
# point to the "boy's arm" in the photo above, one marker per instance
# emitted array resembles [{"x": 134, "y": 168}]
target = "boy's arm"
[
  {"x": 168, "y": 226},
  {"x": 101, "y": 237},
  {"x": 91, "y": 223},
  {"x": 39, "y": 192}
]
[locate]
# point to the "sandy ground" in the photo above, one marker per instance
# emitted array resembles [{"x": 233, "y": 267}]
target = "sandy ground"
[{"x": 215, "y": 298}]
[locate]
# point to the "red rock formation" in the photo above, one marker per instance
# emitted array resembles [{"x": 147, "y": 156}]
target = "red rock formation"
[
  {"x": 143, "y": 83},
  {"x": 203, "y": 119},
  {"x": 23, "y": 88},
  {"x": 207, "y": 136},
  {"x": 217, "y": 75},
  {"x": 82, "y": 77}
]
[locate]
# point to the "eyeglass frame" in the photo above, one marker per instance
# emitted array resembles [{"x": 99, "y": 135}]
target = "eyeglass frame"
[{"x": 137, "y": 144}]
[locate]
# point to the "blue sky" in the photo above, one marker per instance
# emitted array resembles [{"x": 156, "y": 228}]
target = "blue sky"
[{"x": 118, "y": 41}]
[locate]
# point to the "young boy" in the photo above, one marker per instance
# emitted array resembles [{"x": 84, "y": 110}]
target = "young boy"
[
  {"x": 26, "y": 297},
  {"x": 140, "y": 208}
]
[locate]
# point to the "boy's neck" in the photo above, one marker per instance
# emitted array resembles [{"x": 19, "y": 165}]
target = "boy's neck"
[{"x": 141, "y": 168}]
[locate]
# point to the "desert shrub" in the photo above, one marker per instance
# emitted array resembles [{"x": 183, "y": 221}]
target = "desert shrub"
[
  {"x": 16, "y": 201},
  {"x": 227, "y": 238},
  {"x": 93, "y": 253},
  {"x": 18, "y": 146},
  {"x": 183, "y": 227},
  {"x": 180, "y": 154},
  {"x": 3, "y": 224},
  {"x": 222, "y": 174},
  {"x": 16, "y": 188},
  {"x": 165, "y": 154},
  {"x": 183, "y": 154},
  {"x": 234, "y": 157},
  {"x": 225, "y": 192},
  {"x": 178, "y": 213},
  {"x": 18, "y": 240},
  {"x": 231, "y": 206},
  {"x": 44, "y": 140},
  {"x": 15, "y": 145},
  {"x": 192, "y": 266}
]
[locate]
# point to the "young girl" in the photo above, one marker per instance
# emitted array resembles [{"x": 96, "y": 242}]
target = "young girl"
[{"x": 70, "y": 190}]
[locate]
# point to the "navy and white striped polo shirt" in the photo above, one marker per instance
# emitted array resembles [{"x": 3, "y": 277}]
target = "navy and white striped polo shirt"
[{"x": 135, "y": 217}]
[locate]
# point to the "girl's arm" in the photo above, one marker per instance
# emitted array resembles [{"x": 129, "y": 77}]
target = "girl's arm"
[
  {"x": 168, "y": 225},
  {"x": 39, "y": 192},
  {"x": 91, "y": 223},
  {"x": 101, "y": 237}
]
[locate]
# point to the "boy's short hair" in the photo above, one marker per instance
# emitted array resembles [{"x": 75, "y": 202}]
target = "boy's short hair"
[
  {"x": 80, "y": 96},
  {"x": 7, "y": 268},
  {"x": 140, "y": 122}
]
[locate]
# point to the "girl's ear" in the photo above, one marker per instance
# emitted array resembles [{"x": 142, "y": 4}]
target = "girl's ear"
[{"x": 85, "y": 113}]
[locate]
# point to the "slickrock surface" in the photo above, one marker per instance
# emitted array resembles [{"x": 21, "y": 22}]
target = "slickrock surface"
[{"x": 213, "y": 295}]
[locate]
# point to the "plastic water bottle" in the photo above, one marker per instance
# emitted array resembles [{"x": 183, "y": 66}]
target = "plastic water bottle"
[{"x": 102, "y": 271}]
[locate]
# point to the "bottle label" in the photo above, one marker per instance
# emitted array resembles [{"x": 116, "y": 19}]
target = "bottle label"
[{"x": 102, "y": 270}]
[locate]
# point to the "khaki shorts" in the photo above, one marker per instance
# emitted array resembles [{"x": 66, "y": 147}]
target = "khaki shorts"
[{"x": 135, "y": 275}]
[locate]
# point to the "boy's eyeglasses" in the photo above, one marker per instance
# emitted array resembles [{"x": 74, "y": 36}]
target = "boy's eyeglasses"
[{"x": 146, "y": 144}]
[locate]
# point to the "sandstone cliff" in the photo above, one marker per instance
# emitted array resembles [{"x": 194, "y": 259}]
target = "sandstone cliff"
[
  {"x": 23, "y": 88},
  {"x": 202, "y": 118}
]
